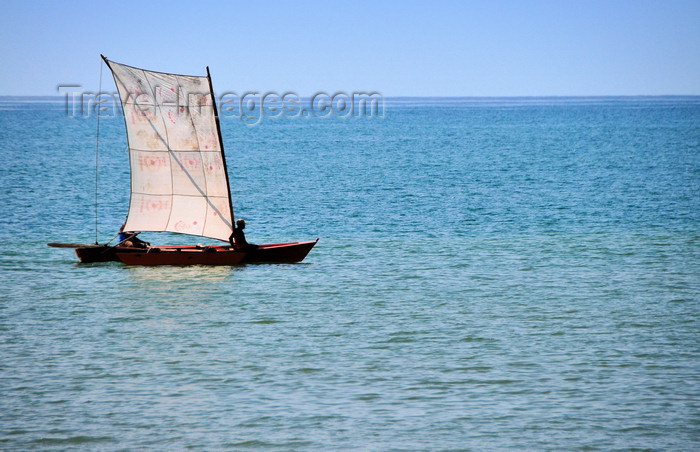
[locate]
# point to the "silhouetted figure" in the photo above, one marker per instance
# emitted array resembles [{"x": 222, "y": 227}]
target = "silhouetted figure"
[{"x": 237, "y": 239}]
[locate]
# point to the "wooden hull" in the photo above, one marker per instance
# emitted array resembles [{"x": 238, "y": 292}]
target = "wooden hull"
[
  {"x": 101, "y": 253},
  {"x": 191, "y": 255},
  {"x": 279, "y": 252},
  {"x": 181, "y": 256}
]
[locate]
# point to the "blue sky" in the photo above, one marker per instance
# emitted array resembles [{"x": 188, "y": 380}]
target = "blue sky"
[{"x": 398, "y": 48}]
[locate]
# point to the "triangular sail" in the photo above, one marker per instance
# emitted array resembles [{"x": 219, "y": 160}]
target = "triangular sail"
[{"x": 178, "y": 172}]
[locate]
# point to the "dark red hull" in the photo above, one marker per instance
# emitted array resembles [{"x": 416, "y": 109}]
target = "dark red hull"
[
  {"x": 279, "y": 252},
  {"x": 100, "y": 253},
  {"x": 193, "y": 255},
  {"x": 181, "y": 256}
]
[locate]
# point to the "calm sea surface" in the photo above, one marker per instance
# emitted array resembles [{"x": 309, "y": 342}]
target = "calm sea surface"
[{"x": 492, "y": 274}]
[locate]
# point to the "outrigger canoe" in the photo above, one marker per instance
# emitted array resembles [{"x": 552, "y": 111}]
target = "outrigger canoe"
[{"x": 179, "y": 179}]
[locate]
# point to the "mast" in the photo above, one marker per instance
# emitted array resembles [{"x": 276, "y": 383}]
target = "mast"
[{"x": 221, "y": 146}]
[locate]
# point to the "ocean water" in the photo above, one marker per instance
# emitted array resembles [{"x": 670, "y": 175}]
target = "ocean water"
[{"x": 492, "y": 274}]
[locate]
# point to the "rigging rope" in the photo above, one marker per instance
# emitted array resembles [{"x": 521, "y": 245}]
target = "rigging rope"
[{"x": 97, "y": 145}]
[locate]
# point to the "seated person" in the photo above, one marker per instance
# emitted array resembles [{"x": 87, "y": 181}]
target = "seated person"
[
  {"x": 237, "y": 239},
  {"x": 128, "y": 239}
]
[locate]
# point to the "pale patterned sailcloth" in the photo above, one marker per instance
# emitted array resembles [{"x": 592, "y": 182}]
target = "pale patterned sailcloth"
[{"x": 178, "y": 173}]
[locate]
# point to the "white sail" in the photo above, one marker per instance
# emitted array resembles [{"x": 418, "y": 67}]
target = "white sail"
[{"x": 178, "y": 173}]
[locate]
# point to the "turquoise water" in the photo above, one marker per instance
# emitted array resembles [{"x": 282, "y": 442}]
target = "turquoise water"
[{"x": 492, "y": 274}]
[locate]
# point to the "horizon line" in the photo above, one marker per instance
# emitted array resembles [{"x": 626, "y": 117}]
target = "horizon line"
[{"x": 513, "y": 96}]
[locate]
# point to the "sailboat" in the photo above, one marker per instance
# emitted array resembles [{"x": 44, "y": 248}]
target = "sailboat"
[{"x": 179, "y": 179}]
